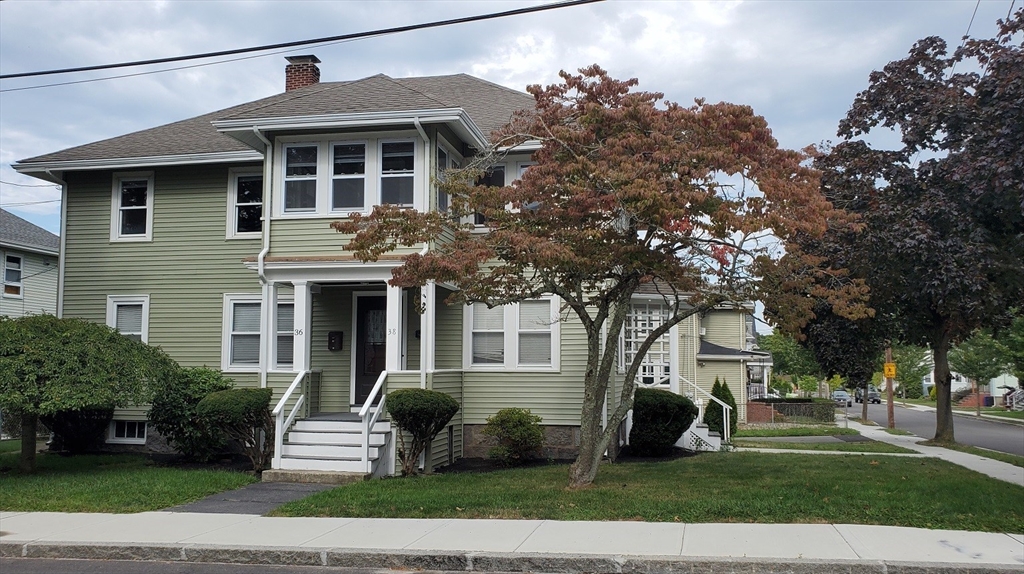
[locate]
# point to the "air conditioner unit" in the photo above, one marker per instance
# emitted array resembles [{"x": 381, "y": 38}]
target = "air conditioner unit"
[{"x": 703, "y": 331}]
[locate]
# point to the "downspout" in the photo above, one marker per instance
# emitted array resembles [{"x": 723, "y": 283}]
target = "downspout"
[
  {"x": 268, "y": 186},
  {"x": 423, "y": 317},
  {"x": 424, "y": 327},
  {"x": 63, "y": 241}
]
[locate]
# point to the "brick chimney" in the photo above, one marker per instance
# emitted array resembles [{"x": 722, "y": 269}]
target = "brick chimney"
[{"x": 300, "y": 72}]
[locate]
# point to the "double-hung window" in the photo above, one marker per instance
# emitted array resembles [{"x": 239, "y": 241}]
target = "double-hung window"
[
  {"x": 397, "y": 163},
  {"x": 348, "y": 184},
  {"x": 285, "y": 335},
  {"x": 300, "y": 178},
  {"x": 517, "y": 336},
  {"x": 245, "y": 201},
  {"x": 13, "y": 275},
  {"x": 129, "y": 314},
  {"x": 244, "y": 347},
  {"x": 132, "y": 207}
]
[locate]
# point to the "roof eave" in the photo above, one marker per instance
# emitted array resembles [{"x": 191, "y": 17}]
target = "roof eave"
[
  {"x": 45, "y": 170},
  {"x": 29, "y": 248},
  {"x": 244, "y": 130}
]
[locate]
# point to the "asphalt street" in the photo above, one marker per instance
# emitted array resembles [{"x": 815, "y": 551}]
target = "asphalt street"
[{"x": 967, "y": 430}]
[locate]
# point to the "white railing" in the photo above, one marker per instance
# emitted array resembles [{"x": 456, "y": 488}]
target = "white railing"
[
  {"x": 726, "y": 409},
  {"x": 1016, "y": 400},
  {"x": 280, "y": 422},
  {"x": 369, "y": 416}
]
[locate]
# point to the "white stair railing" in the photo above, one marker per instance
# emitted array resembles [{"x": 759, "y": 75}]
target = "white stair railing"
[
  {"x": 726, "y": 409},
  {"x": 280, "y": 422},
  {"x": 1017, "y": 400},
  {"x": 369, "y": 416}
]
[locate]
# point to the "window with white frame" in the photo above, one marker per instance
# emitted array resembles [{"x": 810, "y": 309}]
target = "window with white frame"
[
  {"x": 129, "y": 432},
  {"x": 241, "y": 340},
  {"x": 643, "y": 318},
  {"x": 285, "y": 335},
  {"x": 300, "y": 176},
  {"x": 244, "y": 335},
  {"x": 132, "y": 207},
  {"x": 493, "y": 177},
  {"x": 129, "y": 314},
  {"x": 397, "y": 173},
  {"x": 13, "y": 276},
  {"x": 245, "y": 201},
  {"x": 442, "y": 165},
  {"x": 348, "y": 183},
  {"x": 516, "y": 336}
]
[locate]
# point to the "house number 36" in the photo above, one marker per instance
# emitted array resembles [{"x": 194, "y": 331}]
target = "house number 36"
[{"x": 298, "y": 331}]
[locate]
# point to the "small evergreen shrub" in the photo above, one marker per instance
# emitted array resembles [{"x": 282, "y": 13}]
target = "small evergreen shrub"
[
  {"x": 173, "y": 412},
  {"x": 518, "y": 434},
  {"x": 713, "y": 411},
  {"x": 422, "y": 414},
  {"x": 931, "y": 393},
  {"x": 659, "y": 418},
  {"x": 80, "y": 430},
  {"x": 244, "y": 415},
  {"x": 729, "y": 399}
]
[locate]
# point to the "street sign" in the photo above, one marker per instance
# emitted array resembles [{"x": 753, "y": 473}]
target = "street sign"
[{"x": 890, "y": 370}]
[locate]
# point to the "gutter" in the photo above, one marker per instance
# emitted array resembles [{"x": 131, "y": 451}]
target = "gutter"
[
  {"x": 268, "y": 295},
  {"x": 63, "y": 240}
]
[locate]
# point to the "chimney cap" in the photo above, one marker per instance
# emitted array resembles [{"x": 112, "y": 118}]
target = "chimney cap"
[{"x": 306, "y": 59}]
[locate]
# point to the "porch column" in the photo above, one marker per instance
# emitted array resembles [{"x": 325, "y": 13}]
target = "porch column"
[
  {"x": 303, "y": 324},
  {"x": 427, "y": 322},
  {"x": 393, "y": 359},
  {"x": 268, "y": 322},
  {"x": 673, "y": 358}
]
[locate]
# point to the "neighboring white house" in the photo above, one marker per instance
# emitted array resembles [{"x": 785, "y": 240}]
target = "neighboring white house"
[{"x": 28, "y": 257}]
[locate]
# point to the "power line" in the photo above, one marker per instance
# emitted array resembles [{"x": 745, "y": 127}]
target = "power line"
[
  {"x": 27, "y": 184},
  {"x": 21, "y": 203},
  {"x": 265, "y": 47}
]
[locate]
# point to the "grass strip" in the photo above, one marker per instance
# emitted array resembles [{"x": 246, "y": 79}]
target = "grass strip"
[
  {"x": 711, "y": 487},
  {"x": 993, "y": 454},
  {"x": 898, "y": 432},
  {"x": 106, "y": 483},
  {"x": 865, "y": 446},
  {"x": 796, "y": 431}
]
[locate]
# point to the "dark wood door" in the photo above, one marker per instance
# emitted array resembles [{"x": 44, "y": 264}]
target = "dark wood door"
[{"x": 371, "y": 344}]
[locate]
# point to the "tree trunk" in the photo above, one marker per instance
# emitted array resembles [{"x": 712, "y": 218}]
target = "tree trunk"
[
  {"x": 864, "y": 403},
  {"x": 584, "y": 469},
  {"x": 943, "y": 382},
  {"x": 29, "y": 423}
]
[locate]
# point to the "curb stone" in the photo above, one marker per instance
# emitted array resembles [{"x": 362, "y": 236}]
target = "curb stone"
[{"x": 483, "y": 561}]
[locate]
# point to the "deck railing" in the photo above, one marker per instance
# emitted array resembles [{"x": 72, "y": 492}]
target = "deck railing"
[
  {"x": 369, "y": 416},
  {"x": 281, "y": 423}
]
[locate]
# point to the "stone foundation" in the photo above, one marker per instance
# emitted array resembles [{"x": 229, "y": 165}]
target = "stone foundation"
[{"x": 560, "y": 442}]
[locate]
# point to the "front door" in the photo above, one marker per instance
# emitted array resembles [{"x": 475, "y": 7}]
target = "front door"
[{"x": 370, "y": 344}]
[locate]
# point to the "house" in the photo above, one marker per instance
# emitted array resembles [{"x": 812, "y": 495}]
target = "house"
[
  {"x": 29, "y": 257},
  {"x": 210, "y": 237}
]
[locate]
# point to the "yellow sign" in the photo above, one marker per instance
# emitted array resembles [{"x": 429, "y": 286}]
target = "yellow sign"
[{"x": 890, "y": 370}]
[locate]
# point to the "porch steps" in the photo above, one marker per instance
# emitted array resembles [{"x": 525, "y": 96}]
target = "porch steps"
[
  {"x": 333, "y": 445},
  {"x": 700, "y": 438},
  {"x": 313, "y": 476}
]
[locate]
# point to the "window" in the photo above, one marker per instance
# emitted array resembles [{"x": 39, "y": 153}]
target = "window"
[
  {"x": 132, "y": 207},
  {"x": 300, "y": 178},
  {"x": 245, "y": 202},
  {"x": 129, "y": 314},
  {"x": 517, "y": 336},
  {"x": 493, "y": 177},
  {"x": 442, "y": 164},
  {"x": 348, "y": 186},
  {"x": 12, "y": 276},
  {"x": 127, "y": 432},
  {"x": 397, "y": 160},
  {"x": 644, "y": 317},
  {"x": 240, "y": 350}
]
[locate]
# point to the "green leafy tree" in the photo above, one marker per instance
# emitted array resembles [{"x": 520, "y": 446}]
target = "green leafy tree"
[
  {"x": 1012, "y": 340},
  {"x": 789, "y": 357},
  {"x": 980, "y": 358},
  {"x": 912, "y": 366},
  {"x": 627, "y": 190},
  {"x": 48, "y": 365},
  {"x": 935, "y": 223}
]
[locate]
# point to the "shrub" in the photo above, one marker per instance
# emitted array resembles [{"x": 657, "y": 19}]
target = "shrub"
[
  {"x": 659, "y": 419},
  {"x": 726, "y": 396},
  {"x": 518, "y": 434},
  {"x": 244, "y": 415},
  {"x": 959, "y": 395},
  {"x": 422, "y": 414},
  {"x": 80, "y": 430},
  {"x": 173, "y": 412},
  {"x": 713, "y": 411},
  {"x": 931, "y": 393}
]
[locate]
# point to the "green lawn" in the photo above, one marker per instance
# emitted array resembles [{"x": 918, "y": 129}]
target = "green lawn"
[
  {"x": 10, "y": 445},
  {"x": 796, "y": 431},
  {"x": 999, "y": 412},
  {"x": 864, "y": 446},
  {"x": 105, "y": 483},
  {"x": 898, "y": 432},
  {"x": 712, "y": 487}
]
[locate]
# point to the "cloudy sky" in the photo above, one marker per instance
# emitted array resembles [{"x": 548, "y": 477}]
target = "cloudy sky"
[{"x": 798, "y": 63}]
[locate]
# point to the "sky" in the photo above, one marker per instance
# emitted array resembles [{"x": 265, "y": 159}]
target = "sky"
[{"x": 797, "y": 63}]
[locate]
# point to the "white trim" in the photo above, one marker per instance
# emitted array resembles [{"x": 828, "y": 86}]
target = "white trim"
[
  {"x": 39, "y": 169},
  {"x": 352, "y": 345},
  {"x": 232, "y": 216},
  {"x": 30, "y": 248},
  {"x": 230, "y": 299},
  {"x": 20, "y": 283},
  {"x": 116, "y": 208},
  {"x": 510, "y": 328},
  {"x": 112, "y": 430},
  {"x": 115, "y": 301},
  {"x": 63, "y": 246}
]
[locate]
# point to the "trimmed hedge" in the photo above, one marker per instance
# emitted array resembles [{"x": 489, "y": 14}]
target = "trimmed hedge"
[
  {"x": 659, "y": 418},
  {"x": 173, "y": 412},
  {"x": 518, "y": 434},
  {"x": 244, "y": 415},
  {"x": 421, "y": 413}
]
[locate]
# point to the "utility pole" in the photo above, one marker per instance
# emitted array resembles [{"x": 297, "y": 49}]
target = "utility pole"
[{"x": 890, "y": 374}]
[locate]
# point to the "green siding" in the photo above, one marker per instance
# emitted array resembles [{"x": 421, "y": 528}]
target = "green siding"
[
  {"x": 313, "y": 237},
  {"x": 38, "y": 285},
  {"x": 332, "y": 311},
  {"x": 448, "y": 333},
  {"x": 451, "y": 384},
  {"x": 725, "y": 328},
  {"x": 731, "y": 372}
]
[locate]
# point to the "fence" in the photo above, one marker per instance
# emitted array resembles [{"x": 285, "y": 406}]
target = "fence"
[{"x": 791, "y": 411}]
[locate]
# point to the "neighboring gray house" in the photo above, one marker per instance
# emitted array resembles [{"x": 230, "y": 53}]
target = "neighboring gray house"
[{"x": 28, "y": 255}]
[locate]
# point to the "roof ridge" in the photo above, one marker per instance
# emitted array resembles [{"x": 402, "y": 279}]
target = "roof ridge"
[
  {"x": 397, "y": 82},
  {"x": 327, "y": 86},
  {"x": 495, "y": 84}
]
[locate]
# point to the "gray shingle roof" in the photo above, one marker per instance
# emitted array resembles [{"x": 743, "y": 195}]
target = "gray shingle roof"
[
  {"x": 16, "y": 231},
  {"x": 489, "y": 105},
  {"x": 707, "y": 348}
]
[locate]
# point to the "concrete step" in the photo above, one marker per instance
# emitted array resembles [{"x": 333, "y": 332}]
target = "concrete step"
[
  {"x": 313, "y": 476},
  {"x": 319, "y": 464},
  {"x": 327, "y": 452},
  {"x": 338, "y": 426},
  {"x": 338, "y": 438}
]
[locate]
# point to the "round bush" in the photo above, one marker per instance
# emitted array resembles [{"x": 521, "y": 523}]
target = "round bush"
[
  {"x": 422, "y": 414},
  {"x": 173, "y": 412},
  {"x": 659, "y": 419},
  {"x": 518, "y": 434},
  {"x": 244, "y": 415}
]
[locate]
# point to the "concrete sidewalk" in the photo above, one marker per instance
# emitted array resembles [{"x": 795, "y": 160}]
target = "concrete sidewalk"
[{"x": 507, "y": 545}]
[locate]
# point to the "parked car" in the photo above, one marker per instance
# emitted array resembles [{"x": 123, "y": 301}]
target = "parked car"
[
  {"x": 873, "y": 395},
  {"x": 842, "y": 398}
]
